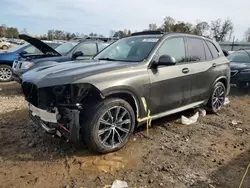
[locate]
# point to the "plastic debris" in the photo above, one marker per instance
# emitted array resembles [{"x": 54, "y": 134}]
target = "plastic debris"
[
  {"x": 191, "y": 120},
  {"x": 202, "y": 112},
  {"x": 238, "y": 129},
  {"x": 119, "y": 184},
  {"x": 227, "y": 101},
  {"x": 236, "y": 122}
]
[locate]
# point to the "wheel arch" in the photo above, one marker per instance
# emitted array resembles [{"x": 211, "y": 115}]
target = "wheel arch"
[{"x": 128, "y": 95}]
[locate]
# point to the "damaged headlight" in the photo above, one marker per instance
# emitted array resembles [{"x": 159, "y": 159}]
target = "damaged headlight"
[{"x": 26, "y": 65}]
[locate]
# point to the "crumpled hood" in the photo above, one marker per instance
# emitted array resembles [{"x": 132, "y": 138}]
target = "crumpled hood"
[
  {"x": 69, "y": 72},
  {"x": 239, "y": 66}
]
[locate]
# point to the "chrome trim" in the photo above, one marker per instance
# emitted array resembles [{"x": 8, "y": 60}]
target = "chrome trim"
[{"x": 234, "y": 72}]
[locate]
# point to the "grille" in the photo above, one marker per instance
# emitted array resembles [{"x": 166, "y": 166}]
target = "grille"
[
  {"x": 234, "y": 72},
  {"x": 30, "y": 92}
]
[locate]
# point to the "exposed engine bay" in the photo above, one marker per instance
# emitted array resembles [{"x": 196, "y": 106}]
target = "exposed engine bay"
[{"x": 60, "y": 110}]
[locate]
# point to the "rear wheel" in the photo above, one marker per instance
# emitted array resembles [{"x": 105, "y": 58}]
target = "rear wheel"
[
  {"x": 109, "y": 125},
  {"x": 5, "y": 73},
  {"x": 217, "y": 98}
]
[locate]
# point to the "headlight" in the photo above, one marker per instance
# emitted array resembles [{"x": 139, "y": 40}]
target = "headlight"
[
  {"x": 26, "y": 65},
  {"x": 246, "y": 71}
]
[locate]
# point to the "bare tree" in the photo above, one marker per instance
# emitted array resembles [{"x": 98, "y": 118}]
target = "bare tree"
[
  {"x": 247, "y": 35},
  {"x": 152, "y": 27},
  {"x": 220, "y": 30},
  {"x": 201, "y": 28},
  {"x": 168, "y": 23}
]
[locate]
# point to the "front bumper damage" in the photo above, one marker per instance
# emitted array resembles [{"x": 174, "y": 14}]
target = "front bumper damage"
[{"x": 57, "y": 109}]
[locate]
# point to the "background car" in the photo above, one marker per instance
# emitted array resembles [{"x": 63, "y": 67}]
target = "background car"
[
  {"x": 7, "y": 58},
  {"x": 240, "y": 68},
  {"x": 77, "y": 49},
  {"x": 4, "y": 45}
]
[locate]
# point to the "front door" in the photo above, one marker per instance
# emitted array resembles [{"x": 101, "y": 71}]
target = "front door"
[{"x": 170, "y": 85}]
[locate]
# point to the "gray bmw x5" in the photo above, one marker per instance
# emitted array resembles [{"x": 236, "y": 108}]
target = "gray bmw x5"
[{"x": 139, "y": 78}]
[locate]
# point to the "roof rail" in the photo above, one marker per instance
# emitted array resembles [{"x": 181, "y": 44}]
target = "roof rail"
[{"x": 147, "y": 33}]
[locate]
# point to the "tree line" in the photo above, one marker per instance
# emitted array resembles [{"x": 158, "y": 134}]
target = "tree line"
[{"x": 220, "y": 30}]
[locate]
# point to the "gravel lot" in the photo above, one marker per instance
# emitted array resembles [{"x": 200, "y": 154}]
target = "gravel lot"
[{"x": 210, "y": 153}]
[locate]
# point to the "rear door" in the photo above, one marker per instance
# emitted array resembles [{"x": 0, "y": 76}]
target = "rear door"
[
  {"x": 202, "y": 68},
  {"x": 170, "y": 85}
]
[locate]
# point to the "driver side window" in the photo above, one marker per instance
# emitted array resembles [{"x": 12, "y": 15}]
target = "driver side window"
[
  {"x": 174, "y": 47},
  {"x": 88, "y": 49},
  {"x": 32, "y": 50}
]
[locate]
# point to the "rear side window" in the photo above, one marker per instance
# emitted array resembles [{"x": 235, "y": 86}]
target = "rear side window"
[
  {"x": 174, "y": 47},
  {"x": 213, "y": 49},
  {"x": 209, "y": 56},
  {"x": 196, "y": 50}
]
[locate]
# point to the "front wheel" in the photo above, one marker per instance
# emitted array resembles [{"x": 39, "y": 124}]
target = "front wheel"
[
  {"x": 109, "y": 125},
  {"x": 5, "y": 73},
  {"x": 217, "y": 99}
]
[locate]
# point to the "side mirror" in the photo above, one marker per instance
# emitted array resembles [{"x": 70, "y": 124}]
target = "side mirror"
[
  {"x": 77, "y": 54},
  {"x": 166, "y": 60}
]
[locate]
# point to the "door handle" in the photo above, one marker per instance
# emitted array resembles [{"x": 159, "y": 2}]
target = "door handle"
[
  {"x": 185, "y": 70},
  {"x": 214, "y": 65}
]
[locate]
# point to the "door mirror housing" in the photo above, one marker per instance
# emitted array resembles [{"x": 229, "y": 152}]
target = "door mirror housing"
[
  {"x": 166, "y": 60},
  {"x": 77, "y": 54}
]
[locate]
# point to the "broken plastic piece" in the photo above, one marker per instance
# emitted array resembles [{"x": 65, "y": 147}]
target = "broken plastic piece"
[
  {"x": 119, "y": 184},
  {"x": 191, "y": 120},
  {"x": 202, "y": 112},
  {"x": 227, "y": 101}
]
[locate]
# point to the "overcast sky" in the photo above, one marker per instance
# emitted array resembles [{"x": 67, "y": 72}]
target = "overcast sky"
[{"x": 100, "y": 16}]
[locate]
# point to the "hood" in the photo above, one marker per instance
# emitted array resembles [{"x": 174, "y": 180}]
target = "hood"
[
  {"x": 69, "y": 72},
  {"x": 46, "y": 49},
  {"x": 239, "y": 65}
]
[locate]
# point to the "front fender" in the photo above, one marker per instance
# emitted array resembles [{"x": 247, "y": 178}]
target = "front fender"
[{"x": 132, "y": 92}]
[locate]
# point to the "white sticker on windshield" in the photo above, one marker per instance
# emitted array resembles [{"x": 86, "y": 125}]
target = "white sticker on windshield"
[{"x": 150, "y": 40}]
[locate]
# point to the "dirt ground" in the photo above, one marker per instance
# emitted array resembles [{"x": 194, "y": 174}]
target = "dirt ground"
[{"x": 210, "y": 153}]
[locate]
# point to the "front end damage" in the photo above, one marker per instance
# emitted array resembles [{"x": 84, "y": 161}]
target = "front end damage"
[{"x": 60, "y": 110}]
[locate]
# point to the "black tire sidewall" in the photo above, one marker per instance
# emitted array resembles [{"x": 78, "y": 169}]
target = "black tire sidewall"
[
  {"x": 9, "y": 67},
  {"x": 90, "y": 128},
  {"x": 210, "y": 105}
]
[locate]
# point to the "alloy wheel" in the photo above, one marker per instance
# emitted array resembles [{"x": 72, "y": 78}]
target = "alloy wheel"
[
  {"x": 218, "y": 97},
  {"x": 5, "y": 74},
  {"x": 114, "y": 126}
]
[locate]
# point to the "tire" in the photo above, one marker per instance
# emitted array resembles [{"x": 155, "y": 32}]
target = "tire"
[
  {"x": 219, "y": 95},
  {"x": 5, "y": 47},
  {"x": 5, "y": 73},
  {"x": 98, "y": 135}
]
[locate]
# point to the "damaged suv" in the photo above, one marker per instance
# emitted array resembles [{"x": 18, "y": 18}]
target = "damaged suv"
[{"x": 136, "y": 79}]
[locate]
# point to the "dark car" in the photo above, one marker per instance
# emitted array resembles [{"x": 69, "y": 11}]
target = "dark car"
[
  {"x": 84, "y": 48},
  {"x": 136, "y": 79},
  {"x": 7, "y": 58},
  {"x": 240, "y": 68}
]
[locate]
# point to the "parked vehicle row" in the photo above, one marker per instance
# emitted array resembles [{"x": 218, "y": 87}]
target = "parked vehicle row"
[
  {"x": 8, "y": 58},
  {"x": 72, "y": 50},
  {"x": 139, "y": 78},
  {"x": 4, "y": 45}
]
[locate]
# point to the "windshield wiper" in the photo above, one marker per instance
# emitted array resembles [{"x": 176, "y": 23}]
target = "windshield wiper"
[{"x": 107, "y": 59}]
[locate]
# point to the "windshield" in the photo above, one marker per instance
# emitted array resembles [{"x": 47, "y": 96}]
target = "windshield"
[
  {"x": 18, "y": 47},
  {"x": 66, "y": 47},
  {"x": 241, "y": 57},
  {"x": 132, "y": 49}
]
